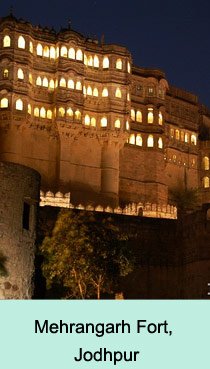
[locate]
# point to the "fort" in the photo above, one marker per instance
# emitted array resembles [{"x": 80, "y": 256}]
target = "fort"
[{"x": 112, "y": 136}]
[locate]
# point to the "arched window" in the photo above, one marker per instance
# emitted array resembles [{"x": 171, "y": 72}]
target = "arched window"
[
  {"x": 133, "y": 115},
  {"x": 105, "y": 62},
  {"x": 79, "y": 54},
  {"x": 119, "y": 64},
  {"x": 132, "y": 139},
  {"x": 150, "y": 141},
  {"x": 78, "y": 115},
  {"x": 45, "y": 82},
  {"x": 87, "y": 120},
  {"x": 6, "y": 41},
  {"x": 36, "y": 112},
  {"x": 93, "y": 122},
  {"x": 71, "y": 84},
  {"x": 117, "y": 123},
  {"x": 20, "y": 74},
  {"x": 62, "y": 82},
  {"x": 29, "y": 109},
  {"x": 4, "y": 103},
  {"x": 139, "y": 116},
  {"x": 39, "y": 50},
  {"x": 21, "y": 42},
  {"x": 61, "y": 112},
  {"x": 52, "y": 84},
  {"x": 85, "y": 59},
  {"x": 89, "y": 91},
  {"x": 90, "y": 61},
  {"x": 193, "y": 139},
  {"x": 95, "y": 92},
  {"x": 69, "y": 113},
  {"x": 139, "y": 140},
  {"x": 5, "y": 73},
  {"x": 104, "y": 122},
  {"x": 31, "y": 48},
  {"x": 150, "y": 116},
  {"x": 43, "y": 112},
  {"x": 96, "y": 61},
  {"x": 160, "y": 118},
  {"x": 186, "y": 138},
  {"x": 46, "y": 52},
  {"x": 78, "y": 85},
  {"x": 52, "y": 52},
  {"x": 49, "y": 114},
  {"x": 177, "y": 134},
  {"x": 64, "y": 52},
  {"x": 128, "y": 97},
  {"x": 38, "y": 81},
  {"x": 19, "y": 104},
  {"x": 160, "y": 143},
  {"x": 129, "y": 67},
  {"x": 118, "y": 93},
  {"x": 105, "y": 92},
  {"x": 206, "y": 182},
  {"x": 71, "y": 53},
  {"x": 206, "y": 163}
]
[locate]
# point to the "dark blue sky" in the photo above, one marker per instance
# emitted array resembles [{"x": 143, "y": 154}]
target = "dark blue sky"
[{"x": 170, "y": 35}]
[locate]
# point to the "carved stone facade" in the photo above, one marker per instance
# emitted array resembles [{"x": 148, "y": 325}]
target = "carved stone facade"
[{"x": 94, "y": 125}]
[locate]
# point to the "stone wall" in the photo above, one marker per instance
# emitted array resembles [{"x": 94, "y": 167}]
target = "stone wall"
[{"x": 19, "y": 193}]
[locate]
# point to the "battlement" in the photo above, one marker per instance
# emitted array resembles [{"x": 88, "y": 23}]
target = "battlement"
[{"x": 133, "y": 209}]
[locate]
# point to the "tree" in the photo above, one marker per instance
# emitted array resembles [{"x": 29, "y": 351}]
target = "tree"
[
  {"x": 3, "y": 271},
  {"x": 86, "y": 254},
  {"x": 184, "y": 198}
]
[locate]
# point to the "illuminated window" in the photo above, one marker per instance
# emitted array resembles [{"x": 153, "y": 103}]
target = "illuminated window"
[
  {"x": 186, "y": 138},
  {"x": 36, "y": 112},
  {"x": 177, "y": 134},
  {"x": 45, "y": 82},
  {"x": 105, "y": 92},
  {"x": 49, "y": 114},
  {"x": 30, "y": 78},
  {"x": 150, "y": 116},
  {"x": 139, "y": 116},
  {"x": 128, "y": 97},
  {"x": 85, "y": 59},
  {"x": 29, "y": 109},
  {"x": 105, "y": 62},
  {"x": 6, "y": 41},
  {"x": 87, "y": 120},
  {"x": 119, "y": 64},
  {"x": 117, "y": 123},
  {"x": 69, "y": 112},
  {"x": 39, "y": 50},
  {"x": 127, "y": 125},
  {"x": 20, "y": 74},
  {"x": 182, "y": 136},
  {"x": 21, "y": 42},
  {"x": 104, "y": 122},
  {"x": 95, "y": 92},
  {"x": 42, "y": 112},
  {"x": 160, "y": 142},
  {"x": 70, "y": 83},
  {"x": 193, "y": 140},
  {"x": 89, "y": 91},
  {"x": 31, "y": 48},
  {"x": 52, "y": 84},
  {"x": 138, "y": 140},
  {"x": 206, "y": 182},
  {"x": 64, "y": 52},
  {"x": 93, "y": 122},
  {"x": 79, "y": 55},
  {"x": 132, "y": 139},
  {"x": 4, "y": 103},
  {"x": 129, "y": 67},
  {"x": 5, "y": 73},
  {"x": 206, "y": 163},
  {"x": 72, "y": 53},
  {"x": 174, "y": 158},
  {"x": 38, "y": 81},
  {"x": 150, "y": 91},
  {"x": 160, "y": 118},
  {"x": 46, "y": 52},
  {"x": 150, "y": 141},
  {"x": 172, "y": 133},
  {"x": 78, "y": 85},
  {"x": 96, "y": 61},
  {"x": 133, "y": 115},
  {"x": 61, "y": 112},
  {"x": 52, "y": 52},
  {"x": 62, "y": 82},
  {"x": 19, "y": 104},
  {"x": 78, "y": 115},
  {"x": 118, "y": 93}
]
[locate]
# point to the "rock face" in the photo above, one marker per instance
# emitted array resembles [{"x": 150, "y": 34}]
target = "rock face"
[{"x": 19, "y": 193}]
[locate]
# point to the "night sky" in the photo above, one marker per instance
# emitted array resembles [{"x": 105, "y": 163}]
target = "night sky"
[{"x": 170, "y": 35}]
